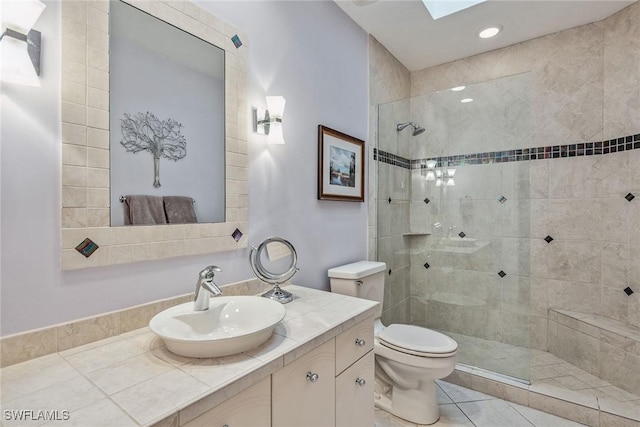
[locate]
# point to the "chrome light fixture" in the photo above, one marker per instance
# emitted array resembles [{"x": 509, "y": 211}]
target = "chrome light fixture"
[
  {"x": 269, "y": 120},
  {"x": 19, "y": 44}
]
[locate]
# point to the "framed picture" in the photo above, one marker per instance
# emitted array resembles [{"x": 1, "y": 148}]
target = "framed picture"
[{"x": 340, "y": 166}]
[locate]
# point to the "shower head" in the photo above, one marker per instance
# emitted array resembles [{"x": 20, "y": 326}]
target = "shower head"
[{"x": 417, "y": 130}]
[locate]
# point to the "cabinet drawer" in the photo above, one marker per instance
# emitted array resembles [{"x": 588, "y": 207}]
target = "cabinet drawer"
[
  {"x": 354, "y": 394},
  {"x": 249, "y": 408},
  {"x": 301, "y": 401},
  {"x": 353, "y": 343}
]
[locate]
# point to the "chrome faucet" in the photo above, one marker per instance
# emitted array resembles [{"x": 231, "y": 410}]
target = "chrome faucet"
[{"x": 205, "y": 281}]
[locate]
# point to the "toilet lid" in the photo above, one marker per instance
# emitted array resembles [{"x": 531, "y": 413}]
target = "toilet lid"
[{"x": 417, "y": 339}]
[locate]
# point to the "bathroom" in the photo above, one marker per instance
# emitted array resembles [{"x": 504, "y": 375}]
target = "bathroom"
[{"x": 291, "y": 53}]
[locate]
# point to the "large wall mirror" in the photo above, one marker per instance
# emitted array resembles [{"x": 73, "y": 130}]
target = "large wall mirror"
[
  {"x": 153, "y": 114},
  {"x": 166, "y": 108}
]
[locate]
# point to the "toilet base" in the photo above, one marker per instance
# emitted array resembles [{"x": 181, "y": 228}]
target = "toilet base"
[{"x": 417, "y": 406}]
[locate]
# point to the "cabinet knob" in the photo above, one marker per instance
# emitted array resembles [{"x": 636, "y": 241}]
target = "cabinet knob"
[
  {"x": 361, "y": 382},
  {"x": 312, "y": 377},
  {"x": 360, "y": 343}
]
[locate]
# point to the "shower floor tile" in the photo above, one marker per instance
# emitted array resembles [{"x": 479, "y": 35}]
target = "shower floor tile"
[{"x": 541, "y": 368}]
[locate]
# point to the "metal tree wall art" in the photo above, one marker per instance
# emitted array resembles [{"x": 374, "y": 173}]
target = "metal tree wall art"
[{"x": 162, "y": 138}]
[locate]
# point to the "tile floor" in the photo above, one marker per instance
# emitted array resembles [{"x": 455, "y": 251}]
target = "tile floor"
[{"x": 462, "y": 407}]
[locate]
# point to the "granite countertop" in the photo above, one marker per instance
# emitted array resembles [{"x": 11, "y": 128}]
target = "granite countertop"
[{"x": 132, "y": 379}]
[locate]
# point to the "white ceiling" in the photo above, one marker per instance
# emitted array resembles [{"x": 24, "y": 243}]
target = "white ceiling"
[{"x": 407, "y": 30}]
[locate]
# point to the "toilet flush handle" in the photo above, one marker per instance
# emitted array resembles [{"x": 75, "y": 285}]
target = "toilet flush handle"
[{"x": 359, "y": 282}]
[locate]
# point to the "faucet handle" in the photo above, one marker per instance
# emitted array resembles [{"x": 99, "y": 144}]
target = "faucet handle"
[
  {"x": 208, "y": 272},
  {"x": 212, "y": 268}
]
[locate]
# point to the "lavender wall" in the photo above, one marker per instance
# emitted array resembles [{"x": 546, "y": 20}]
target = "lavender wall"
[{"x": 308, "y": 52}]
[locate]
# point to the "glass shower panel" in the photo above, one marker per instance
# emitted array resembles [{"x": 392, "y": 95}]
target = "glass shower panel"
[
  {"x": 394, "y": 174},
  {"x": 467, "y": 221}
]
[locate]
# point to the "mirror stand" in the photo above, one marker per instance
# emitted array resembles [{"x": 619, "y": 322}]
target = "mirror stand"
[
  {"x": 278, "y": 294},
  {"x": 273, "y": 249}
]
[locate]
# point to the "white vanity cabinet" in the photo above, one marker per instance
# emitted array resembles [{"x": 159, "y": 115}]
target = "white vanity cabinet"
[
  {"x": 355, "y": 376},
  {"x": 353, "y": 343},
  {"x": 332, "y": 385},
  {"x": 342, "y": 392},
  {"x": 354, "y": 394},
  {"x": 249, "y": 408},
  {"x": 303, "y": 391}
]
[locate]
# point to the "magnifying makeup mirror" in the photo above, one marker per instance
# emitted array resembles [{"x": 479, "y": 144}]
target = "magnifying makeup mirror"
[{"x": 274, "y": 262}]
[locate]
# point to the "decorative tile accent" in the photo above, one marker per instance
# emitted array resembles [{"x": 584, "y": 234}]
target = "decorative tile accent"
[
  {"x": 426, "y": 265},
  {"x": 389, "y": 199},
  {"x": 502, "y": 273},
  {"x": 461, "y": 234},
  {"x": 626, "y": 143},
  {"x": 237, "y": 235},
  {"x": 502, "y": 199},
  {"x": 628, "y": 291},
  {"x": 87, "y": 247},
  {"x": 629, "y": 197},
  {"x": 236, "y": 41},
  {"x": 389, "y": 272},
  {"x": 548, "y": 239},
  {"x": 426, "y": 200},
  {"x": 394, "y": 160}
]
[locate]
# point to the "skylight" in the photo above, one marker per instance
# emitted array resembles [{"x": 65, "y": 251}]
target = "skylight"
[{"x": 441, "y": 8}]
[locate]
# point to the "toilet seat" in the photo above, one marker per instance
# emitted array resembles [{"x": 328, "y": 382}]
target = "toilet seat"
[{"x": 417, "y": 341}]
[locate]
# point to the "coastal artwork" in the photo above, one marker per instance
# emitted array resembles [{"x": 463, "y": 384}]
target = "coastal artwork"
[{"x": 342, "y": 166}]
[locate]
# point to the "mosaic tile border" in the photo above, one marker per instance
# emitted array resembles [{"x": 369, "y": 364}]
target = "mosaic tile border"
[
  {"x": 625, "y": 143},
  {"x": 392, "y": 159}
]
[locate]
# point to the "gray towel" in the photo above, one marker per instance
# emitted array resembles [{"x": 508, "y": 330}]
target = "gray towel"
[
  {"x": 179, "y": 210},
  {"x": 144, "y": 210}
]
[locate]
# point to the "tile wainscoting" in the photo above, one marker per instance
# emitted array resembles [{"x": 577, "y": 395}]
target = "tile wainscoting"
[{"x": 32, "y": 344}]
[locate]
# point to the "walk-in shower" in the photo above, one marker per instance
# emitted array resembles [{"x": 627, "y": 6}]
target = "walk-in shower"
[{"x": 458, "y": 254}]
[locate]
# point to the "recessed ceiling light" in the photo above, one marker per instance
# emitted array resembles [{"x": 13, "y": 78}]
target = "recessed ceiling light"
[
  {"x": 489, "y": 32},
  {"x": 458, "y": 88},
  {"x": 466, "y": 100}
]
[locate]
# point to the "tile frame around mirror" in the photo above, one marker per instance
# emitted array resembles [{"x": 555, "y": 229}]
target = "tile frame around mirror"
[{"x": 85, "y": 141}]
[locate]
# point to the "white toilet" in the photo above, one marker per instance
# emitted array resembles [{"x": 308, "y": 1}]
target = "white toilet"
[{"x": 408, "y": 358}]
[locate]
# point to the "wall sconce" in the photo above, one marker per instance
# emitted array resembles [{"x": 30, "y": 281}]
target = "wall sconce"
[
  {"x": 19, "y": 44},
  {"x": 269, "y": 121},
  {"x": 440, "y": 176}
]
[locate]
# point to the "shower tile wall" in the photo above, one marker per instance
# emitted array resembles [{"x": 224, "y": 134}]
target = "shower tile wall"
[
  {"x": 584, "y": 85},
  {"x": 389, "y": 81}
]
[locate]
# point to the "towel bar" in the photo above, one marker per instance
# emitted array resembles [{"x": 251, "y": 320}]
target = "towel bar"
[{"x": 124, "y": 199}]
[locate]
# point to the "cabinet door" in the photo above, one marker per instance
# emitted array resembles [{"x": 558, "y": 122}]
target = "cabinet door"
[
  {"x": 354, "y": 394},
  {"x": 353, "y": 343},
  {"x": 249, "y": 408},
  {"x": 301, "y": 399}
]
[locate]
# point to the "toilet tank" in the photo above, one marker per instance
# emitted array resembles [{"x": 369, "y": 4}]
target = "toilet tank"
[{"x": 364, "y": 279}]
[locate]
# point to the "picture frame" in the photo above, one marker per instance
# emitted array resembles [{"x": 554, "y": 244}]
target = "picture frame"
[{"x": 340, "y": 166}]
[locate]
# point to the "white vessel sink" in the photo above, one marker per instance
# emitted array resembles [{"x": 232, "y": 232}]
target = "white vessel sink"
[{"x": 231, "y": 325}]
